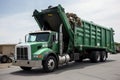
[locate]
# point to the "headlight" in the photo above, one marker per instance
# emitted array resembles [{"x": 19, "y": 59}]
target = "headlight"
[
  {"x": 35, "y": 56},
  {"x": 45, "y": 45}
]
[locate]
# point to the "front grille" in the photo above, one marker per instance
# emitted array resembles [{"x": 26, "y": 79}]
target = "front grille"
[{"x": 22, "y": 53}]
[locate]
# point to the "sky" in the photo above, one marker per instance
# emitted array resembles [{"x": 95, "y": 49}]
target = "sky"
[{"x": 16, "y": 15}]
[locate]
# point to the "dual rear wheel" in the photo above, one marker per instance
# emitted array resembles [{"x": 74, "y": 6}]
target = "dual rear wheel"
[{"x": 98, "y": 56}]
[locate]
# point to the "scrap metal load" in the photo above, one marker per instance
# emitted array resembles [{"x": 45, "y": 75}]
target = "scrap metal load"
[{"x": 74, "y": 20}]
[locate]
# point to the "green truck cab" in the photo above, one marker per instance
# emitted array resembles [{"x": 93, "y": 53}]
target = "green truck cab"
[
  {"x": 42, "y": 43},
  {"x": 60, "y": 41},
  {"x": 38, "y": 46}
]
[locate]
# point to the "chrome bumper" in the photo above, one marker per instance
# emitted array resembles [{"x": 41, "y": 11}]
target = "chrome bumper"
[{"x": 27, "y": 63}]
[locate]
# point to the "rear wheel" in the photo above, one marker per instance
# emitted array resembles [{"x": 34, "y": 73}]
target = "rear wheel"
[
  {"x": 103, "y": 56},
  {"x": 4, "y": 59},
  {"x": 50, "y": 64},
  {"x": 95, "y": 56},
  {"x": 26, "y": 68}
]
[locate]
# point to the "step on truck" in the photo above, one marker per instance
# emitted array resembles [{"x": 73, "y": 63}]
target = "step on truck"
[{"x": 62, "y": 39}]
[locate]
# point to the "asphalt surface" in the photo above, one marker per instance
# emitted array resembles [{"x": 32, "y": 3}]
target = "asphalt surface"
[{"x": 109, "y": 70}]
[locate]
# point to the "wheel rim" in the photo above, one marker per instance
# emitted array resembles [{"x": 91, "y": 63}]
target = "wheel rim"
[
  {"x": 51, "y": 64},
  {"x": 98, "y": 57},
  {"x": 104, "y": 56}
]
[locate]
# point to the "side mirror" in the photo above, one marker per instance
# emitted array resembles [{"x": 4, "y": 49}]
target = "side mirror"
[
  {"x": 26, "y": 37},
  {"x": 54, "y": 38},
  {"x": 56, "y": 35}
]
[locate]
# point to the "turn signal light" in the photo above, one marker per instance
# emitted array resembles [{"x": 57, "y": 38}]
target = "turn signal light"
[{"x": 39, "y": 56}]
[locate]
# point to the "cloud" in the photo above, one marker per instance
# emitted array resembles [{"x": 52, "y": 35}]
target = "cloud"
[
  {"x": 103, "y": 12},
  {"x": 14, "y": 27}
]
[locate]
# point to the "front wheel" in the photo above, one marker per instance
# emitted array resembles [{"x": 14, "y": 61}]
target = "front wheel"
[
  {"x": 50, "y": 64},
  {"x": 26, "y": 68}
]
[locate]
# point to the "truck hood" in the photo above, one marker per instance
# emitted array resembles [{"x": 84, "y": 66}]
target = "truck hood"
[
  {"x": 36, "y": 43},
  {"x": 31, "y": 43},
  {"x": 35, "y": 46}
]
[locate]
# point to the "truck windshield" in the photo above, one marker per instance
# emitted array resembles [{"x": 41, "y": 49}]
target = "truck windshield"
[{"x": 38, "y": 37}]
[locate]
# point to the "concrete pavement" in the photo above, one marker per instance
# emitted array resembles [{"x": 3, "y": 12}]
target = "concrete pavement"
[{"x": 109, "y": 70}]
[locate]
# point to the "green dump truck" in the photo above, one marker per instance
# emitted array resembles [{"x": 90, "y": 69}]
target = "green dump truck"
[{"x": 60, "y": 41}]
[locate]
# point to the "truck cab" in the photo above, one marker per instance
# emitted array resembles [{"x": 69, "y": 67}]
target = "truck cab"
[
  {"x": 45, "y": 39},
  {"x": 37, "y": 46}
]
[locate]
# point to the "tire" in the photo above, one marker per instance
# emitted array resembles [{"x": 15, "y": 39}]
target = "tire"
[
  {"x": 25, "y": 68},
  {"x": 50, "y": 64},
  {"x": 4, "y": 59},
  {"x": 95, "y": 56},
  {"x": 103, "y": 56}
]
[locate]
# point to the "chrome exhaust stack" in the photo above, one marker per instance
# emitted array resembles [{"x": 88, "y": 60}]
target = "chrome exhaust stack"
[{"x": 63, "y": 58}]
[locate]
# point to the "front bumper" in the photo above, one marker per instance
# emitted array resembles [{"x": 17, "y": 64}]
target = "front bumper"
[{"x": 27, "y": 63}]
